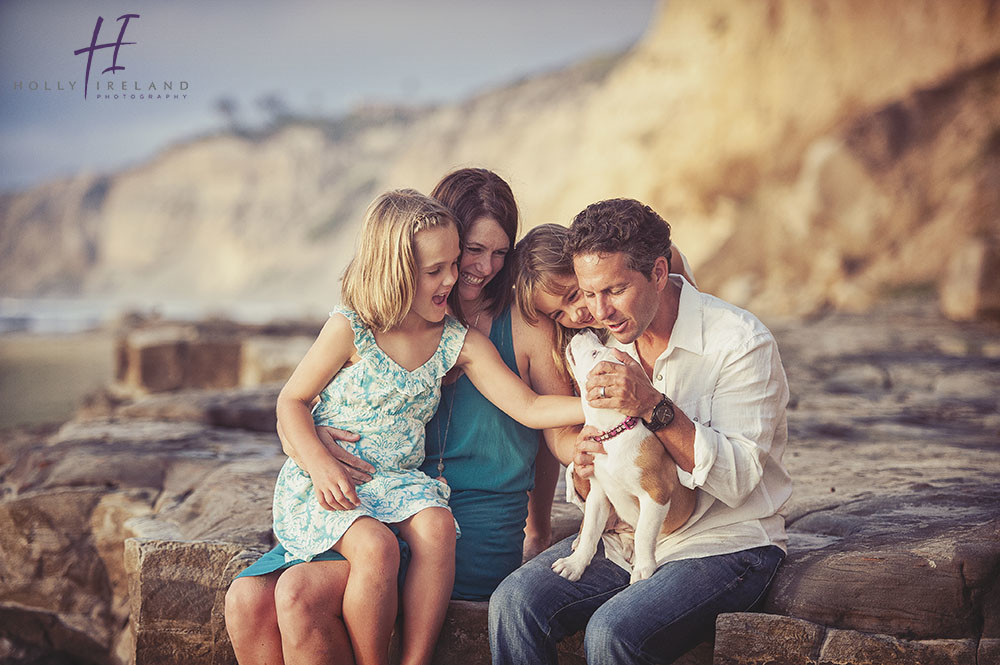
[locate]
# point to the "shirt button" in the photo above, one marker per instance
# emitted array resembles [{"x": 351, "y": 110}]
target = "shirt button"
[
  {"x": 659, "y": 377},
  {"x": 695, "y": 419}
]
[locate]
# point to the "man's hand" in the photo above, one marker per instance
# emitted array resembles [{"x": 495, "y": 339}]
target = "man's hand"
[
  {"x": 586, "y": 448},
  {"x": 358, "y": 470},
  {"x": 583, "y": 459},
  {"x": 627, "y": 389}
]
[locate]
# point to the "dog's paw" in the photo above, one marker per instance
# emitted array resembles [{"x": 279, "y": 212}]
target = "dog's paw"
[
  {"x": 570, "y": 567},
  {"x": 642, "y": 571}
]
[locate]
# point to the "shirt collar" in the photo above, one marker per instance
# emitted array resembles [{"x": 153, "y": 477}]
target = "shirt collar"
[{"x": 688, "y": 332}]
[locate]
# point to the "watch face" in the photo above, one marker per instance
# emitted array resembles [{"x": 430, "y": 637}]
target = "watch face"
[{"x": 663, "y": 414}]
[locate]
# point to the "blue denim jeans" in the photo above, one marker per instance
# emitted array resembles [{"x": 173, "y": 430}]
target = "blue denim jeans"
[{"x": 655, "y": 620}]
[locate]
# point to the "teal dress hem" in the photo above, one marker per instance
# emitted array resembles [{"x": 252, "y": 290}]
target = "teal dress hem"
[{"x": 278, "y": 558}]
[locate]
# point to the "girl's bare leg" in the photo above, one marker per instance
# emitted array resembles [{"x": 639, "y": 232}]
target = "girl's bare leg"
[
  {"x": 309, "y": 599},
  {"x": 252, "y": 620},
  {"x": 429, "y": 579},
  {"x": 370, "y": 598}
]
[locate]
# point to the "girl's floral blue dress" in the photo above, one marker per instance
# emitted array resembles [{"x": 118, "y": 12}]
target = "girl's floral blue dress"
[{"x": 389, "y": 407}]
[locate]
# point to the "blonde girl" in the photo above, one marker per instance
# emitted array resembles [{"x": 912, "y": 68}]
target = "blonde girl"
[{"x": 377, "y": 367}]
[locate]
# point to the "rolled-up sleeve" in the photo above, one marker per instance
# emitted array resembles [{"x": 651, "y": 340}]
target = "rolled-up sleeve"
[{"x": 748, "y": 406}]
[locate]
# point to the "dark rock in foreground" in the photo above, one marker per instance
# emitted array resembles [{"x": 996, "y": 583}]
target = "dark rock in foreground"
[{"x": 120, "y": 532}]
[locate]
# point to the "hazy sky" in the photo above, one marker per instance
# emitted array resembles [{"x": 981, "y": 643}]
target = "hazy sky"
[{"x": 319, "y": 57}]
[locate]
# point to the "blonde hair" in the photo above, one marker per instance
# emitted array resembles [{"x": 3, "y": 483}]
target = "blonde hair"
[
  {"x": 539, "y": 257},
  {"x": 381, "y": 279}
]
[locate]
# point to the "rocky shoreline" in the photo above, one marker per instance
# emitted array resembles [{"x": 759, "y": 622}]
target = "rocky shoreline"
[{"x": 120, "y": 530}]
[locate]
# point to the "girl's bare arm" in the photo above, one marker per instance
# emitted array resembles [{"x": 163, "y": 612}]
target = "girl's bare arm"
[
  {"x": 328, "y": 354},
  {"x": 509, "y": 393},
  {"x": 537, "y": 342}
]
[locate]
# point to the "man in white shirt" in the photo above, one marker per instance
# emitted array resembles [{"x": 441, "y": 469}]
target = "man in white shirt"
[{"x": 707, "y": 379}]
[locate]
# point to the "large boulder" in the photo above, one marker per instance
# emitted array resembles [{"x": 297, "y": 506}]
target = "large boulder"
[
  {"x": 122, "y": 529},
  {"x": 70, "y": 501},
  {"x": 177, "y": 590},
  {"x": 759, "y": 639},
  {"x": 895, "y": 522},
  {"x": 167, "y": 357}
]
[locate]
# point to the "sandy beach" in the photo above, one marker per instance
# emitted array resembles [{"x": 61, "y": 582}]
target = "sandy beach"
[{"x": 44, "y": 377}]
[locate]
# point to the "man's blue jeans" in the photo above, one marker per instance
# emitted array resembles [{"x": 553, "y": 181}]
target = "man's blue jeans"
[{"x": 652, "y": 621}]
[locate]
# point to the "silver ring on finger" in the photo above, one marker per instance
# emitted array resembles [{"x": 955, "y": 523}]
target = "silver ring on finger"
[{"x": 604, "y": 393}]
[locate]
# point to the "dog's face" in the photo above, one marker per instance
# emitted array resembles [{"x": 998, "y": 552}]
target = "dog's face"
[{"x": 583, "y": 353}]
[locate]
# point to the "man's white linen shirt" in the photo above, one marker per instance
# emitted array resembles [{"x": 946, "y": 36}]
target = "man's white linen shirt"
[{"x": 722, "y": 369}]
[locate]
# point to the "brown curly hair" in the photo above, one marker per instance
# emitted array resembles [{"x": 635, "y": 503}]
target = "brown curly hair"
[{"x": 621, "y": 225}]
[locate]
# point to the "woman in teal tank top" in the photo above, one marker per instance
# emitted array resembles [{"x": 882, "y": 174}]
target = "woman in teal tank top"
[
  {"x": 488, "y": 460},
  {"x": 491, "y": 462}
]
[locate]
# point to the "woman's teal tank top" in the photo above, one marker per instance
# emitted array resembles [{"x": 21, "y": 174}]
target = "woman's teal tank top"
[{"x": 489, "y": 463}]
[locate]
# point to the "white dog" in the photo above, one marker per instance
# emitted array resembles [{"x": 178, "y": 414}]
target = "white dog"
[{"x": 636, "y": 477}]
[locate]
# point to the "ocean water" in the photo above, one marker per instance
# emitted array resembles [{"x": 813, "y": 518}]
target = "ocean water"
[{"x": 61, "y": 316}]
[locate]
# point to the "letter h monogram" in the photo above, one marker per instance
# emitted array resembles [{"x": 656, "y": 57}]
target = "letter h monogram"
[{"x": 89, "y": 50}]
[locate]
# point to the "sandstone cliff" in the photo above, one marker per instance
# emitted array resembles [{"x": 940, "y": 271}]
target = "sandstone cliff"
[{"x": 809, "y": 155}]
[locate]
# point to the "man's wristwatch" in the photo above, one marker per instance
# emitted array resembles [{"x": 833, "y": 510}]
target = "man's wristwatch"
[{"x": 663, "y": 415}]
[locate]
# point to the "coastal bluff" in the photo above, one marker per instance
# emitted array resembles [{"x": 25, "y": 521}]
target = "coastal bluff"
[
  {"x": 809, "y": 155},
  {"x": 121, "y": 529}
]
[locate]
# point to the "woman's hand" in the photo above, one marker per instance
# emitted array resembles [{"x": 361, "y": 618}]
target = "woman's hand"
[
  {"x": 360, "y": 471},
  {"x": 333, "y": 485}
]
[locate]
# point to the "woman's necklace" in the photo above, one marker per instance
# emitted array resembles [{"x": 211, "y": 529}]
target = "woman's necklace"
[{"x": 443, "y": 441}]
